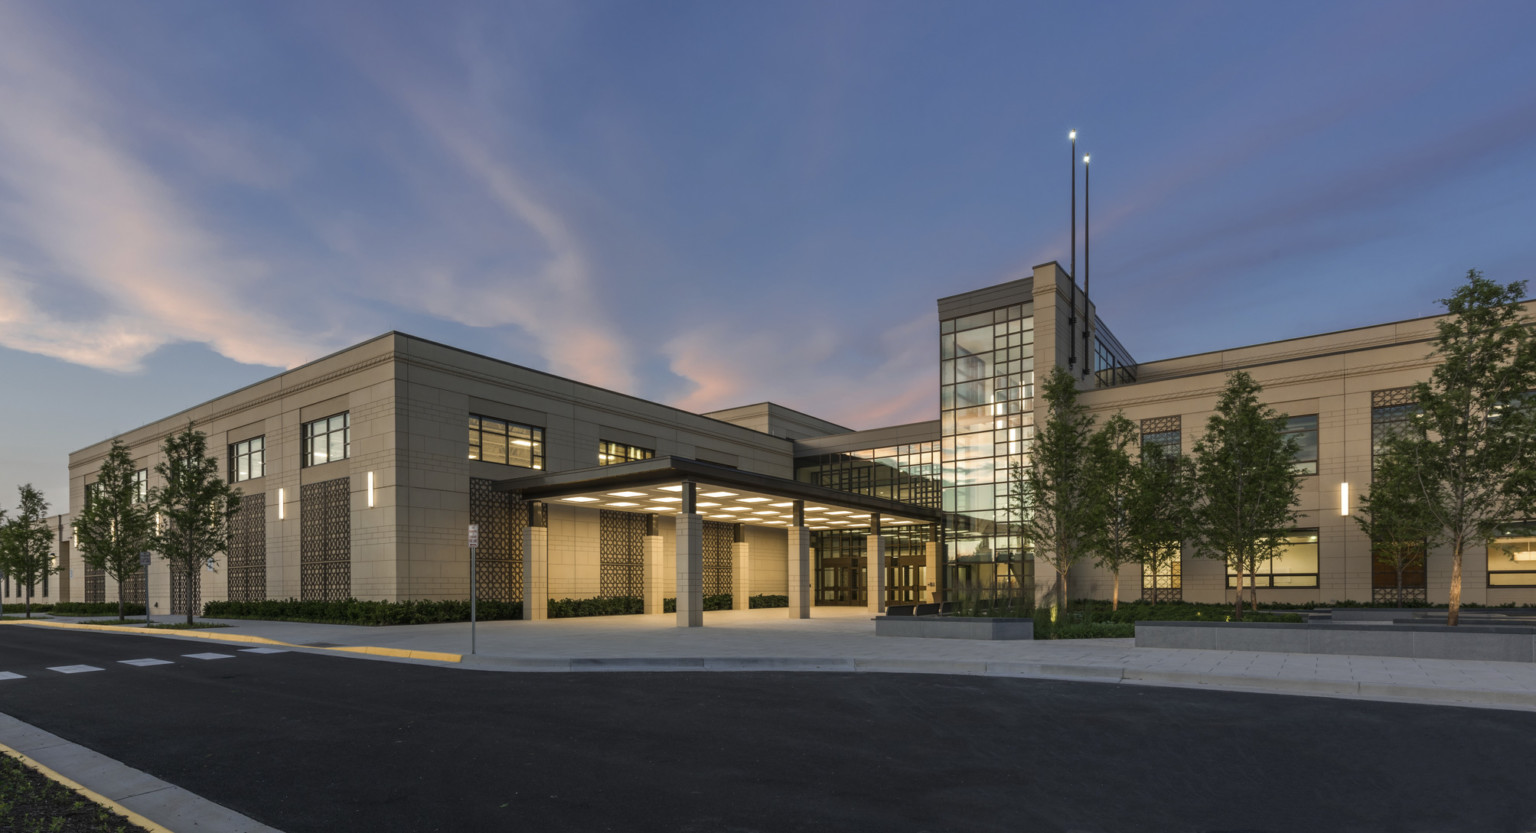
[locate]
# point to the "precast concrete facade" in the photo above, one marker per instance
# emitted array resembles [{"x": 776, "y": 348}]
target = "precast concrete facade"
[{"x": 362, "y": 471}]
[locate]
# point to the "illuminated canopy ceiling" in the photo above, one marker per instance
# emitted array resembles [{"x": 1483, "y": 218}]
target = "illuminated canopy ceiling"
[{"x": 724, "y": 494}]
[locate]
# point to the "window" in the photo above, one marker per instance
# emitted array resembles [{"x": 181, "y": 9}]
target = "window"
[
  {"x": 908, "y": 473},
  {"x": 328, "y": 440},
  {"x": 1162, "y": 579},
  {"x": 1295, "y": 565},
  {"x": 1512, "y": 556},
  {"x": 610, "y": 453},
  {"x": 140, "y": 488},
  {"x": 1166, "y": 432},
  {"x": 248, "y": 459},
  {"x": 1304, "y": 429},
  {"x": 1391, "y": 412},
  {"x": 507, "y": 443}
]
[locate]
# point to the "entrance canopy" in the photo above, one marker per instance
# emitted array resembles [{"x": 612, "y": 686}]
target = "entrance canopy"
[{"x": 724, "y": 494}]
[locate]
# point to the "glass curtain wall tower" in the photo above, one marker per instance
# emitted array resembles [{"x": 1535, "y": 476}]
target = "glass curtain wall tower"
[{"x": 986, "y": 407}]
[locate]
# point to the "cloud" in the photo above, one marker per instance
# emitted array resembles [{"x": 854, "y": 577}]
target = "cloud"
[
  {"x": 106, "y": 263},
  {"x": 812, "y": 368},
  {"x": 539, "y": 279}
]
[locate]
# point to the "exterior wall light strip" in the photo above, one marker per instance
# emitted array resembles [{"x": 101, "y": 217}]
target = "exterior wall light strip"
[
  {"x": 370, "y": 490},
  {"x": 282, "y": 508},
  {"x": 1344, "y": 499}
]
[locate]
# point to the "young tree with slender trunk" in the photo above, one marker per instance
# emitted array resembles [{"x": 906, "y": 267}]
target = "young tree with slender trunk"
[
  {"x": 1111, "y": 474},
  {"x": 1473, "y": 442},
  {"x": 1394, "y": 514},
  {"x": 194, "y": 506},
  {"x": 26, "y": 543},
  {"x": 1058, "y": 513},
  {"x": 116, "y": 525},
  {"x": 1245, "y": 483},
  {"x": 1161, "y": 504}
]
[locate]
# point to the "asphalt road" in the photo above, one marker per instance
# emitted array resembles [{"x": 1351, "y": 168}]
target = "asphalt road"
[{"x": 321, "y": 743}]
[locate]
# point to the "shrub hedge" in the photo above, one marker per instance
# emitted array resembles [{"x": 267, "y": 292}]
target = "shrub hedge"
[
  {"x": 354, "y": 612},
  {"x": 89, "y": 609}
]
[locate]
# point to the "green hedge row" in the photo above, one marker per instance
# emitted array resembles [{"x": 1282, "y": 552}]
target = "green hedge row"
[
  {"x": 621, "y": 605},
  {"x": 354, "y": 612},
  {"x": 87, "y": 609}
]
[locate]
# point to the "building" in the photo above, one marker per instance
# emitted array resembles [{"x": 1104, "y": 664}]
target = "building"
[{"x": 362, "y": 472}]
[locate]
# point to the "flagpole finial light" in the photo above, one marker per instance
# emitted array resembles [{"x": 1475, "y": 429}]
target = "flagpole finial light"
[
  {"x": 1072, "y": 135},
  {"x": 1085, "y": 159}
]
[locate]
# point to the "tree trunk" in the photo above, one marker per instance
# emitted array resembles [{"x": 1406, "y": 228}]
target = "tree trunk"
[
  {"x": 29, "y": 601},
  {"x": 1401, "y": 566},
  {"x": 1115, "y": 604},
  {"x": 120, "y": 616},
  {"x": 1237, "y": 610},
  {"x": 1455, "y": 602},
  {"x": 191, "y": 576},
  {"x": 1061, "y": 591}
]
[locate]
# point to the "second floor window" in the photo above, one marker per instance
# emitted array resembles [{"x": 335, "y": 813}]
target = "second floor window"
[
  {"x": 1304, "y": 429},
  {"x": 248, "y": 459},
  {"x": 328, "y": 440},
  {"x": 609, "y": 453},
  {"x": 507, "y": 443}
]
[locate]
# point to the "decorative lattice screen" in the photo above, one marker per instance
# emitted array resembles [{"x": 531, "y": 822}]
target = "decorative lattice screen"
[{"x": 325, "y": 540}]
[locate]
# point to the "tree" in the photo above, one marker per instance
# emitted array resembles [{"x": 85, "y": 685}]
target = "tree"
[
  {"x": 26, "y": 543},
  {"x": 1160, "y": 508},
  {"x": 116, "y": 524},
  {"x": 1058, "y": 513},
  {"x": 1245, "y": 484},
  {"x": 1471, "y": 444},
  {"x": 1394, "y": 514},
  {"x": 194, "y": 506},
  {"x": 1111, "y": 475}
]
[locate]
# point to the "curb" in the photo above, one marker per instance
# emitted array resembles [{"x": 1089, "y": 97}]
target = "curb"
[
  {"x": 150, "y": 802},
  {"x": 87, "y": 792},
  {"x": 398, "y": 653}
]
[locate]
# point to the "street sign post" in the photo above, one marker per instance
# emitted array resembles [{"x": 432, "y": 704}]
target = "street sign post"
[
  {"x": 144, "y": 561},
  {"x": 474, "y": 545}
]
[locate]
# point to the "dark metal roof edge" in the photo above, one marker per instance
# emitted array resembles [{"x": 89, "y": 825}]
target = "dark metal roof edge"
[{"x": 663, "y": 469}]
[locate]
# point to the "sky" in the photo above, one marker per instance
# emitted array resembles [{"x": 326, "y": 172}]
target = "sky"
[{"x": 712, "y": 204}]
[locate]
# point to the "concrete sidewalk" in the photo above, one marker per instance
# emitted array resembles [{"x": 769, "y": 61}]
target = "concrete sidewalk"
[{"x": 841, "y": 639}]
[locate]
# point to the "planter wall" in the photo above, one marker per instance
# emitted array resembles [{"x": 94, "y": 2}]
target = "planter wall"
[
  {"x": 1504, "y": 644},
  {"x": 954, "y": 627}
]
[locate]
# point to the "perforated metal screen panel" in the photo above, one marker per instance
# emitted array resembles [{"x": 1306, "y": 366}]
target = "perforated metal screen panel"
[
  {"x": 621, "y": 554},
  {"x": 325, "y": 540},
  {"x": 499, "y": 560},
  {"x": 248, "y": 550}
]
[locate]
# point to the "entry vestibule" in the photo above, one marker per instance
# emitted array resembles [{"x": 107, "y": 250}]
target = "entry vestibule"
[{"x": 700, "y": 501}]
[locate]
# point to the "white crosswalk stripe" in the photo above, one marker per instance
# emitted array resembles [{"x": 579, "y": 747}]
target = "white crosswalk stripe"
[{"x": 144, "y": 662}]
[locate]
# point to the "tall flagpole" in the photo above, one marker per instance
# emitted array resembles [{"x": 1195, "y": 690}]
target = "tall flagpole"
[
  {"x": 1087, "y": 314},
  {"x": 1072, "y": 273}
]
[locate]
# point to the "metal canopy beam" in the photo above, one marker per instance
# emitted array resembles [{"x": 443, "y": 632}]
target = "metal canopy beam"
[{"x": 668, "y": 470}]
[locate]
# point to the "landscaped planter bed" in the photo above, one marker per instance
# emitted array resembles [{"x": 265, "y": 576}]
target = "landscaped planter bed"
[
  {"x": 1419, "y": 641},
  {"x": 954, "y": 627}
]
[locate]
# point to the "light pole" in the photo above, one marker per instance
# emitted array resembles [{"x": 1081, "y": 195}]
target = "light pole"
[
  {"x": 1072, "y": 259},
  {"x": 1087, "y": 315}
]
